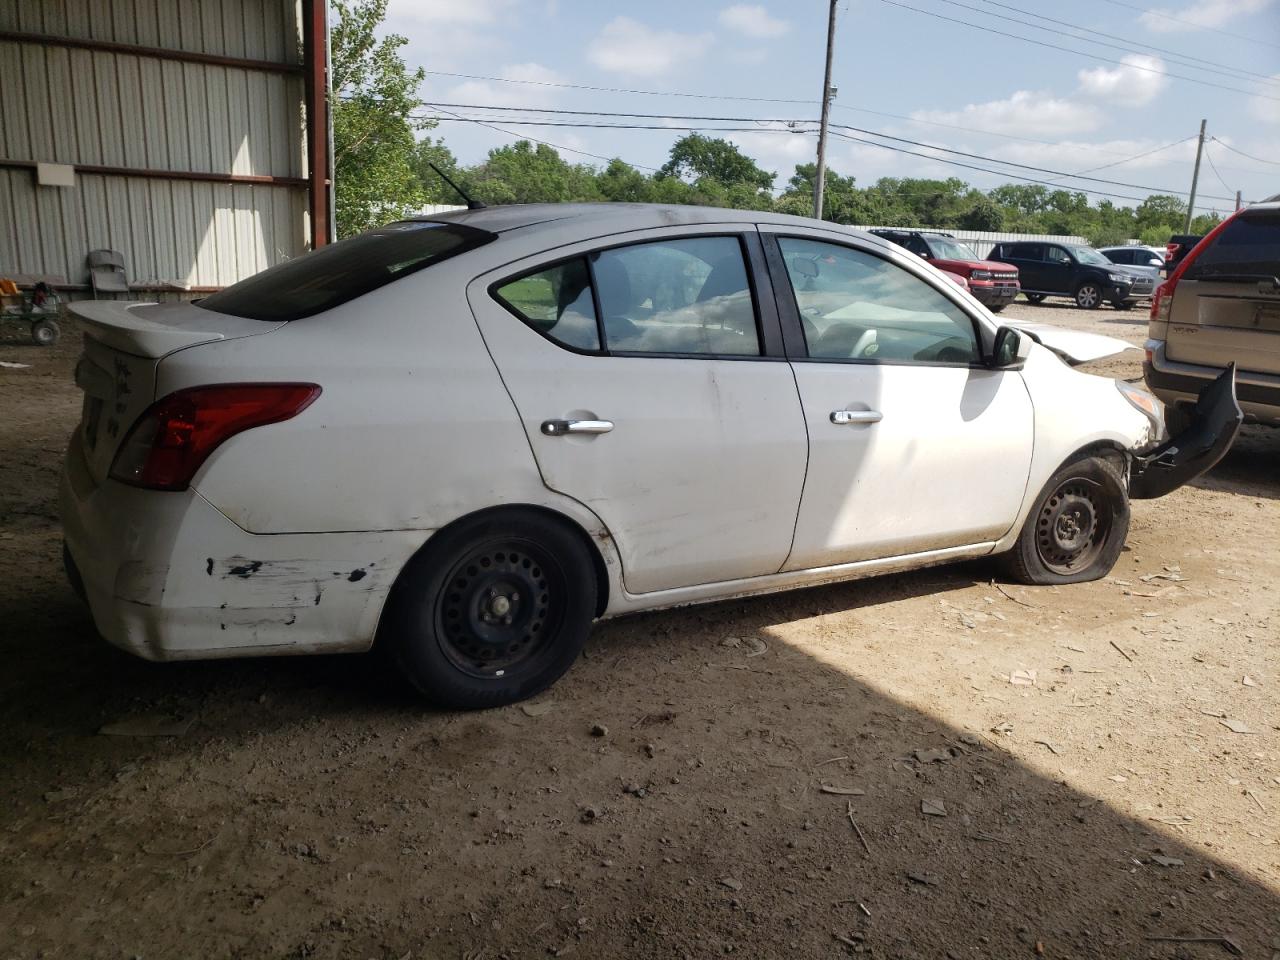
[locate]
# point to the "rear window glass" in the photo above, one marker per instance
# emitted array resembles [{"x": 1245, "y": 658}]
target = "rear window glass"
[
  {"x": 557, "y": 303},
  {"x": 324, "y": 278},
  {"x": 1248, "y": 247}
]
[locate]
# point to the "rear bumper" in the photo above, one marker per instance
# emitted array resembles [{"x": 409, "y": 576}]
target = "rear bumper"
[
  {"x": 1215, "y": 421},
  {"x": 168, "y": 577},
  {"x": 1180, "y": 384}
]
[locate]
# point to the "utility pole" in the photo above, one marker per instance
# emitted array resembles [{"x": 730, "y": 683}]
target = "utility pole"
[
  {"x": 1195, "y": 178},
  {"x": 820, "y": 181},
  {"x": 1237, "y": 199}
]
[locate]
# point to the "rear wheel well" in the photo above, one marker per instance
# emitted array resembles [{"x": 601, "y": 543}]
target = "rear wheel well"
[{"x": 597, "y": 558}]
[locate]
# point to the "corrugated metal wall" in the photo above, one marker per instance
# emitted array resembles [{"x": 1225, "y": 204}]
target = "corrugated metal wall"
[{"x": 117, "y": 109}]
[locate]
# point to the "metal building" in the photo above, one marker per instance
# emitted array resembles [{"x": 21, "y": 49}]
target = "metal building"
[{"x": 191, "y": 136}]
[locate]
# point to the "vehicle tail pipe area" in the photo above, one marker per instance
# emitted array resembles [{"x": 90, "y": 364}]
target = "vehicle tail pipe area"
[{"x": 1215, "y": 421}]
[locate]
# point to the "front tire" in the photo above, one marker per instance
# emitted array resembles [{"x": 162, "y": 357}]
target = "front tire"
[
  {"x": 1077, "y": 528},
  {"x": 1088, "y": 295},
  {"x": 45, "y": 333},
  {"x": 493, "y": 610}
]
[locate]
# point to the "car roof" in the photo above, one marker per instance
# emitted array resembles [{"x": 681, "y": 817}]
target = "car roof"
[{"x": 623, "y": 216}]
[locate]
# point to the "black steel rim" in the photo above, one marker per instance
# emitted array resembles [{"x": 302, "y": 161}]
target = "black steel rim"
[
  {"x": 1073, "y": 526},
  {"x": 501, "y": 609}
]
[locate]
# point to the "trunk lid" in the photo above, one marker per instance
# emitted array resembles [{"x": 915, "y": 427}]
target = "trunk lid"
[
  {"x": 1226, "y": 306},
  {"x": 124, "y": 343}
]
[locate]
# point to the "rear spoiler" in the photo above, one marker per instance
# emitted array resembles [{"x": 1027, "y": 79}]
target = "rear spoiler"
[{"x": 155, "y": 329}]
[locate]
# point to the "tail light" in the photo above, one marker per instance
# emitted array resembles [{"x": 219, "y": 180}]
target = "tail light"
[
  {"x": 175, "y": 435},
  {"x": 1162, "y": 300}
]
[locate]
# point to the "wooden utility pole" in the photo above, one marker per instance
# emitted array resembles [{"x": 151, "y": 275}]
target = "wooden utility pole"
[
  {"x": 820, "y": 180},
  {"x": 1195, "y": 179}
]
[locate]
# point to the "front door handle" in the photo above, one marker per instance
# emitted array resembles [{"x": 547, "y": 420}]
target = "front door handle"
[
  {"x": 558, "y": 428},
  {"x": 841, "y": 417}
]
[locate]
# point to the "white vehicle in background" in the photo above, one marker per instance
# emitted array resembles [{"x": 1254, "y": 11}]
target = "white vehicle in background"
[{"x": 468, "y": 437}]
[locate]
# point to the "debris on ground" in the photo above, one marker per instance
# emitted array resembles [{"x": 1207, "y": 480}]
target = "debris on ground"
[
  {"x": 841, "y": 791},
  {"x": 731, "y": 883},
  {"x": 927, "y": 879},
  {"x": 1237, "y": 726},
  {"x": 933, "y": 807},
  {"x": 932, "y": 756},
  {"x": 599, "y": 730},
  {"x": 1166, "y": 861},
  {"x": 537, "y": 708},
  {"x": 1023, "y": 678}
]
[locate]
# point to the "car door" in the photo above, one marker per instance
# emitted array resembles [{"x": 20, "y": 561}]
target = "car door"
[
  {"x": 914, "y": 444},
  {"x": 1029, "y": 259},
  {"x": 1059, "y": 270},
  {"x": 652, "y": 386}
]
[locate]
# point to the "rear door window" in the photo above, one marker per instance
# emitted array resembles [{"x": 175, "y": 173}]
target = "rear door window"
[
  {"x": 1248, "y": 248},
  {"x": 333, "y": 275},
  {"x": 688, "y": 296}
]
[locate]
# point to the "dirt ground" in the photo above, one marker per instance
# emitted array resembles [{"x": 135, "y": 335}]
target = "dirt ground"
[{"x": 769, "y": 783}]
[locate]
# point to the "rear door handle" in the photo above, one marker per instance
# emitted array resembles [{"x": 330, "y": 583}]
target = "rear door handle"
[
  {"x": 558, "y": 428},
  {"x": 841, "y": 417}
]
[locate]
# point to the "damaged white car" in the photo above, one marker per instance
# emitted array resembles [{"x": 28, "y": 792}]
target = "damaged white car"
[{"x": 469, "y": 437}]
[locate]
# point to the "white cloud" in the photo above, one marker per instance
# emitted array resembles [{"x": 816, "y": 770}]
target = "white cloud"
[
  {"x": 534, "y": 94},
  {"x": 628, "y": 46},
  {"x": 753, "y": 20},
  {"x": 437, "y": 12},
  {"x": 1139, "y": 81},
  {"x": 1026, "y": 113},
  {"x": 450, "y": 35},
  {"x": 1202, "y": 13},
  {"x": 1264, "y": 108}
]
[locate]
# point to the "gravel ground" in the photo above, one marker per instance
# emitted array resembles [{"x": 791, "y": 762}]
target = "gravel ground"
[{"x": 835, "y": 771}]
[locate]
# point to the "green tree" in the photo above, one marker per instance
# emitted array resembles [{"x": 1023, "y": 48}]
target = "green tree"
[
  {"x": 374, "y": 97},
  {"x": 525, "y": 173},
  {"x": 695, "y": 157}
]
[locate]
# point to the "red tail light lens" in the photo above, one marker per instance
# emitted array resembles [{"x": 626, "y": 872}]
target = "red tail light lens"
[{"x": 175, "y": 435}]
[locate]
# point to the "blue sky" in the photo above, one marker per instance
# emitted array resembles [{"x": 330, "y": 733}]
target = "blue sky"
[{"x": 942, "y": 83}]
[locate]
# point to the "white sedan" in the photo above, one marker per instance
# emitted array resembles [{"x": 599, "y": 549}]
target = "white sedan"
[{"x": 468, "y": 437}]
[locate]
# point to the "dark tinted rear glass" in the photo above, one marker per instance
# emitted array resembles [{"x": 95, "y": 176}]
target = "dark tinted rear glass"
[
  {"x": 1249, "y": 246},
  {"x": 342, "y": 271}
]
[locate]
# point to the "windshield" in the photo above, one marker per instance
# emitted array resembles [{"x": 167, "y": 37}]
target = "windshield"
[
  {"x": 1089, "y": 255},
  {"x": 342, "y": 271},
  {"x": 946, "y": 249}
]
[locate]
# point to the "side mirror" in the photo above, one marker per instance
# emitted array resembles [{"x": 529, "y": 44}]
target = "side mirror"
[{"x": 1012, "y": 347}]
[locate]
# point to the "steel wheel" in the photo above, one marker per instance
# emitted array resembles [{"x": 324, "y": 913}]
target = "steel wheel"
[
  {"x": 1073, "y": 525},
  {"x": 1088, "y": 296},
  {"x": 501, "y": 608}
]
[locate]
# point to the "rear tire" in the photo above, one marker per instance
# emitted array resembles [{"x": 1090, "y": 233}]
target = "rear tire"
[
  {"x": 1122, "y": 304},
  {"x": 493, "y": 610},
  {"x": 1034, "y": 297},
  {"x": 1088, "y": 295},
  {"x": 998, "y": 307},
  {"x": 1077, "y": 528}
]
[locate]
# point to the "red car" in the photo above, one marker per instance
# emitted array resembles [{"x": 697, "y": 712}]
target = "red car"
[{"x": 991, "y": 283}]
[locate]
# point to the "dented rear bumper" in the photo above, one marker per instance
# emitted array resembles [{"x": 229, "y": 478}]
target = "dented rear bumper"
[
  {"x": 167, "y": 576},
  {"x": 1215, "y": 421}
]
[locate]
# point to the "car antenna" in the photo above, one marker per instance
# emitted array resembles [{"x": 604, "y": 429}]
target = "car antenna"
[{"x": 471, "y": 204}]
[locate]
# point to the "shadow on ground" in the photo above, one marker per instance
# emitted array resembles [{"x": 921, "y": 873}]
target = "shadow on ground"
[{"x": 315, "y": 810}]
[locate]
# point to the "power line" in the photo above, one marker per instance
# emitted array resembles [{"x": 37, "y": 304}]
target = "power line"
[
  {"x": 790, "y": 128},
  {"x": 1221, "y": 69},
  {"x": 1136, "y": 156},
  {"x": 546, "y": 143},
  {"x": 1190, "y": 23},
  {"x": 987, "y": 29},
  {"x": 650, "y": 93},
  {"x": 1243, "y": 154},
  {"x": 716, "y": 96},
  {"x": 1208, "y": 156}
]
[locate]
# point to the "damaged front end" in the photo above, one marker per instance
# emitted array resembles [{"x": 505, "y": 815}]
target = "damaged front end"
[{"x": 1215, "y": 421}]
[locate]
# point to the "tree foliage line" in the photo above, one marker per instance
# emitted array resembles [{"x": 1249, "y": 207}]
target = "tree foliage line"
[{"x": 383, "y": 157}]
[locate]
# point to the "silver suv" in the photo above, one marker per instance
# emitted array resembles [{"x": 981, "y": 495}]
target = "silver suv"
[{"x": 1221, "y": 306}]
